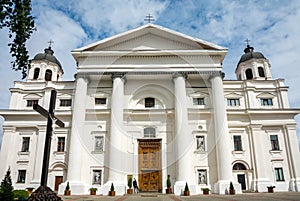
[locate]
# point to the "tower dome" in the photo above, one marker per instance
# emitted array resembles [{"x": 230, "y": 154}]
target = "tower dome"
[
  {"x": 250, "y": 54},
  {"x": 45, "y": 67}
]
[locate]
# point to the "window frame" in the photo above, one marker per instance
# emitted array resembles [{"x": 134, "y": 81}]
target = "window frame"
[
  {"x": 31, "y": 102},
  {"x": 237, "y": 143},
  {"x": 25, "y": 147},
  {"x": 149, "y": 102},
  {"x": 100, "y": 101},
  {"x": 266, "y": 102},
  {"x": 21, "y": 176},
  {"x": 233, "y": 102},
  {"x": 61, "y": 145},
  {"x": 65, "y": 102},
  {"x": 198, "y": 101},
  {"x": 274, "y": 143},
  {"x": 149, "y": 134},
  {"x": 279, "y": 174}
]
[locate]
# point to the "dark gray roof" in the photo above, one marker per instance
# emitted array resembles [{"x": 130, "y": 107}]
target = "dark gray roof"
[
  {"x": 48, "y": 55},
  {"x": 250, "y": 54}
]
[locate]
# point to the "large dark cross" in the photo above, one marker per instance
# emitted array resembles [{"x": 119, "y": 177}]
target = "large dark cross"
[
  {"x": 51, "y": 120},
  {"x": 50, "y": 116},
  {"x": 149, "y": 18}
]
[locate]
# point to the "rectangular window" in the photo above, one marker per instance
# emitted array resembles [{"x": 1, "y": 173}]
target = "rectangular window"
[
  {"x": 198, "y": 101},
  {"x": 202, "y": 177},
  {"x": 61, "y": 144},
  {"x": 100, "y": 101},
  {"x": 97, "y": 175},
  {"x": 274, "y": 142},
  {"x": 233, "y": 102},
  {"x": 65, "y": 102},
  {"x": 149, "y": 132},
  {"x": 99, "y": 142},
  {"x": 279, "y": 174},
  {"x": 200, "y": 143},
  {"x": 266, "y": 101},
  {"x": 30, "y": 103},
  {"x": 237, "y": 143},
  {"x": 25, "y": 144},
  {"x": 21, "y": 176},
  {"x": 149, "y": 102}
]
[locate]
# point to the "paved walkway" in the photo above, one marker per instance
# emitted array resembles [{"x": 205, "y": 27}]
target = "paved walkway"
[{"x": 288, "y": 196}]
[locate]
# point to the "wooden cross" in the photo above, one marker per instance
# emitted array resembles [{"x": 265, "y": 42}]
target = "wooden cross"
[
  {"x": 149, "y": 18},
  {"x": 50, "y": 123}
]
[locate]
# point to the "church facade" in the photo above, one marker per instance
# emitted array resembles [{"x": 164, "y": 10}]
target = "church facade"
[{"x": 149, "y": 103}]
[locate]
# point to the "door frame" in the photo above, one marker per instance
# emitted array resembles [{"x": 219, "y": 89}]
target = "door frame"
[{"x": 148, "y": 142}]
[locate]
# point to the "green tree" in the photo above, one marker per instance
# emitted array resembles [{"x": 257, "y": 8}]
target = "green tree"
[
  {"x": 6, "y": 188},
  {"x": 15, "y": 15}
]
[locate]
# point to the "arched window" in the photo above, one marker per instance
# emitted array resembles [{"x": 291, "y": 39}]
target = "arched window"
[
  {"x": 149, "y": 132},
  {"x": 249, "y": 74},
  {"x": 149, "y": 102},
  {"x": 239, "y": 166},
  {"x": 261, "y": 72},
  {"x": 36, "y": 73},
  {"x": 48, "y": 75}
]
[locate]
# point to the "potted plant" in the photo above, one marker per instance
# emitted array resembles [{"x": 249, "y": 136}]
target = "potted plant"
[
  {"x": 93, "y": 191},
  {"x": 129, "y": 184},
  {"x": 30, "y": 190},
  {"x": 67, "y": 189},
  {"x": 231, "y": 189},
  {"x": 112, "y": 191},
  {"x": 186, "y": 191},
  {"x": 169, "y": 189},
  {"x": 205, "y": 191},
  {"x": 270, "y": 189}
]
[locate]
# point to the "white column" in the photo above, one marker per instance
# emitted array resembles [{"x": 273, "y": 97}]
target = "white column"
[
  {"x": 75, "y": 150},
  {"x": 293, "y": 156},
  {"x": 117, "y": 141},
  {"x": 183, "y": 137},
  {"x": 222, "y": 136}
]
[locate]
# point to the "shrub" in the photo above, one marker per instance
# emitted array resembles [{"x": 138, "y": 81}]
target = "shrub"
[
  {"x": 168, "y": 182},
  {"x": 6, "y": 188},
  {"x": 67, "y": 187},
  {"x": 186, "y": 188},
  {"x": 112, "y": 188},
  {"x": 21, "y": 194},
  {"x": 231, "y": 187},
  {"x": 129, "y": 182}
]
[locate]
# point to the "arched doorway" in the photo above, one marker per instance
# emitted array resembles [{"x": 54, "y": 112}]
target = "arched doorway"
[{"x": 241, "y": 173}]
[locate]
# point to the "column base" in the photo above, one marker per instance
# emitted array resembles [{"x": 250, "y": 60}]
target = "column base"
[
  {"x": 222, "y": 187},
  {"x": 77, "y": 188},
  {"x": 260, "y": 185},
  {"x": 119, "y": 186},
  {"x": 180, "y": 185},
  {"x": 294, "y": 185}
]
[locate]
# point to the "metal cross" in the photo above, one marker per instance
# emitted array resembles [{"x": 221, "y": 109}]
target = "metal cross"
[
  {"x": 50, "y": 42},
  {"x": 247, "y": 41},
  {"x": 50, "y": 116},
  {"x": 149, "y": 18}
]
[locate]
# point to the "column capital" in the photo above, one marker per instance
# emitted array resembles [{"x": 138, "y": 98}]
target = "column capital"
[
  {"x": 216, "y": 74},
  {"x": 118, "y": 75},
  {"x": 179, "y": 74},
  {"x": 84, "y": 76}
]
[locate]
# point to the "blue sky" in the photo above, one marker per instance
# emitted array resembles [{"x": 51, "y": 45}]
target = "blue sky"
[{"x": 271, "y": 25}]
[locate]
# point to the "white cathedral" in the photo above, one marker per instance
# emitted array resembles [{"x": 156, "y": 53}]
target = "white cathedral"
[{"x": 149, "y": 103}]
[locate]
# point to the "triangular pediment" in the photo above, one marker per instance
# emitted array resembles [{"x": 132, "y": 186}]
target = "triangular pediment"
[{"x": 150, "y": 37}]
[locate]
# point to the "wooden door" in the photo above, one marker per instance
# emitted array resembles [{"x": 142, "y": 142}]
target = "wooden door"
[
  {"x": 150, "y": 165},
  {"x": 58, "y": 180}
]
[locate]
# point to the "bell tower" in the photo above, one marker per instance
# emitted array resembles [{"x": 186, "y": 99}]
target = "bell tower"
[
  {"x": 253, "y": 66},
  {"x": 45, "y": 67}
]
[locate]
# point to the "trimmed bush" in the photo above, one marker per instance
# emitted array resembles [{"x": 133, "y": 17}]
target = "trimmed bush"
[{"x": 21, "y": 194}]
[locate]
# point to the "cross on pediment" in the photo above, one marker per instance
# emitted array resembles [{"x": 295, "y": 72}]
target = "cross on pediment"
[
  {"x": 50, "y": 120},
  {"x": 149, "y": 18}
]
